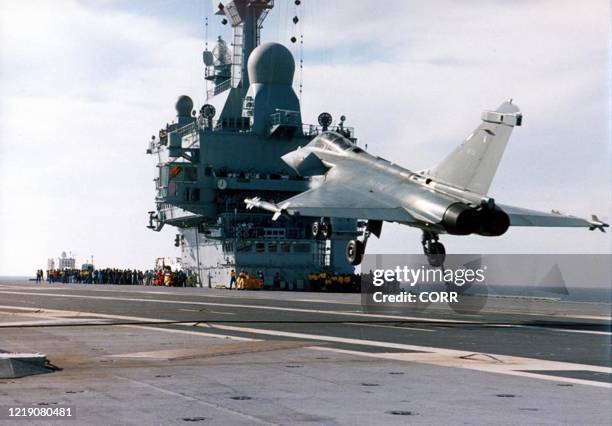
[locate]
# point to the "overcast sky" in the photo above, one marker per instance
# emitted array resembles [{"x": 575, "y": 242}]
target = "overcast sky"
[{"x": 84, "y": 84}]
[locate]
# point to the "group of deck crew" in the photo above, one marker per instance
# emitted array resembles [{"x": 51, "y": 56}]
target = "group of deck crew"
[{"x": 161, "y": 277}]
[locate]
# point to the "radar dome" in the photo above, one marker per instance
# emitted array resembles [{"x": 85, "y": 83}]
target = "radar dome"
[
  {"x": 184, "y": 106},
  {"x": 271, "y": 63}
]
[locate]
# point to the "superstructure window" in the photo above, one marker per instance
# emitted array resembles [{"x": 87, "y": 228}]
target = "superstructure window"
[
  {"x": 191, "y": 174},
  {"x": 178, "y": 173},
  {"x": 191, "y": 194},
  {"x": 163, "y": 176},
  {"x": 274, "y": 233}
]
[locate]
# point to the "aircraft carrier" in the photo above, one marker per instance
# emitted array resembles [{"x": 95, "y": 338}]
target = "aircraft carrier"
[
  {"x": 209, "y": 161},
  {"x": 123, "y": 355}
]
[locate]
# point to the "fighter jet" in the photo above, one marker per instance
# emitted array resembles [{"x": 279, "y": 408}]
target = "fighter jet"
[{"x": 450, "y": 198}]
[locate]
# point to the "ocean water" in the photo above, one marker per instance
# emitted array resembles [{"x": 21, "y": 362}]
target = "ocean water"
[{"x": 574, "y": 294}]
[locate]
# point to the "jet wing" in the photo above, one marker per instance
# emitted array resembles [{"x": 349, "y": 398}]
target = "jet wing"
[
  {"x": 341, "y": 193},
  {"x": 333, "y": 198},
  {"x": 525, "y": 217},
  {"x": 342, "y": 200}
]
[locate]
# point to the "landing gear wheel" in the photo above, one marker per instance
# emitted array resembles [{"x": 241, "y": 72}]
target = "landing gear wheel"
[
  {"x": 326, "y": 229},
  {"x": 315, "y": 229},
  {"x": 436, "y": 254},
  {"x": 354, "y": 252},
  {"x": 433, "y": 249}
]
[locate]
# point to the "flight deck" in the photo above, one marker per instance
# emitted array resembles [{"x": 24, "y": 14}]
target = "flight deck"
[{"x": 182, "y": 354}]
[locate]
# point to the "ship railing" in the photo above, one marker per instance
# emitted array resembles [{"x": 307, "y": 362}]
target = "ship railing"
[
  {"x": 242, "y": 124},
  {"x": 231, "y": 124},
  {"x": 314, "y": 130},
  {"x": 285, "y": 117},
  {"x": 187, "y": 129},
  {"x": 247, "y": 176},
  {"x": 155, "y": 145},
  {"x": 219, "y": 88},
  {"x": 190, "y": 130}
]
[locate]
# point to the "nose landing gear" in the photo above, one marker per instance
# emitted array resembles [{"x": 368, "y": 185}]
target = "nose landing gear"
[
  {"x": 354, "y": 251},
  {"x": 356, "y": 248},
  {"x": 433, "y": 249}
]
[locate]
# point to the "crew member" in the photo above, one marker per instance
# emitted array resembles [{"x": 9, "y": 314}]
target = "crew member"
[{"x": 232, "y": 278}]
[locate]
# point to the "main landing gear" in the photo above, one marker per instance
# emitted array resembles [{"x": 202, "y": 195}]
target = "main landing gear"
[
  {"x": 321, "y": 229},
  {"x": 433, "y": 249}
]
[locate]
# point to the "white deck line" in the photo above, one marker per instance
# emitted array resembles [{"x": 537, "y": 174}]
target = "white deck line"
[{"x": 492, "y": 363}]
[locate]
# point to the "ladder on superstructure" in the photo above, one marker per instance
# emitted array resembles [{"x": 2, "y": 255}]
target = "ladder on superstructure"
[
  {"x": 321, "y": 253},
  {"x": 237, "y": 46}
]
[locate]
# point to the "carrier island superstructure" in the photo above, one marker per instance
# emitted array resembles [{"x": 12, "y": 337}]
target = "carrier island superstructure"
[{"x": 210, "y": 160}]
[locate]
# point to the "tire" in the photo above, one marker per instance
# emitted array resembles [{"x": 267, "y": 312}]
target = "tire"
[
  {"x": 326, "y": 229},
  {"x": 354, "y": 252},
  {"x": 436, "y": 254},
  {"x": 315, "y": 229}
]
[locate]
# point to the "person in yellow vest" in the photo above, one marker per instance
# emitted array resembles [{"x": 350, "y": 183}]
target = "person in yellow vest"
[
  {"x": 168, "y": 278},
  {"x": 241, "y": 280}
]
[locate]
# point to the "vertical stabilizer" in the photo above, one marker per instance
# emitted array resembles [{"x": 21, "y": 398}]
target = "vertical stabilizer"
[{"x": 472, "y": 165}]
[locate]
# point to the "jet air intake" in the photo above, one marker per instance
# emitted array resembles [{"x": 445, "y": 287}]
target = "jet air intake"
[{"x": 461, "y": 219}]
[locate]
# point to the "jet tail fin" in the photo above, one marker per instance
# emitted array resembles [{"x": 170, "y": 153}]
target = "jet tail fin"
[{"x": 472, "y": 165}]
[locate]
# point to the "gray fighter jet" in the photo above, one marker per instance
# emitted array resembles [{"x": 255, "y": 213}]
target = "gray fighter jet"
[{"x": 348, "y": 182}]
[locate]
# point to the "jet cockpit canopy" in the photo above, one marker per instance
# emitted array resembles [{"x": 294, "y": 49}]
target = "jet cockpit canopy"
[{"x": 332, "y": 141}]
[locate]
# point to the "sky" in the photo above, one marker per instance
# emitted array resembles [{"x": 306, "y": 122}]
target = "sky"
[{"x": 84, "y": 85}]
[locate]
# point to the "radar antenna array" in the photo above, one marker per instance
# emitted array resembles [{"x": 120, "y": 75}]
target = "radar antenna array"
[
  {"x": 325, "y": 120},
  {"x": 208, "y": 111}
]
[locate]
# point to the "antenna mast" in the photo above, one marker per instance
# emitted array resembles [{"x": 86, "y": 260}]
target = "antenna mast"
[{"x": 246, "y": 18}]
